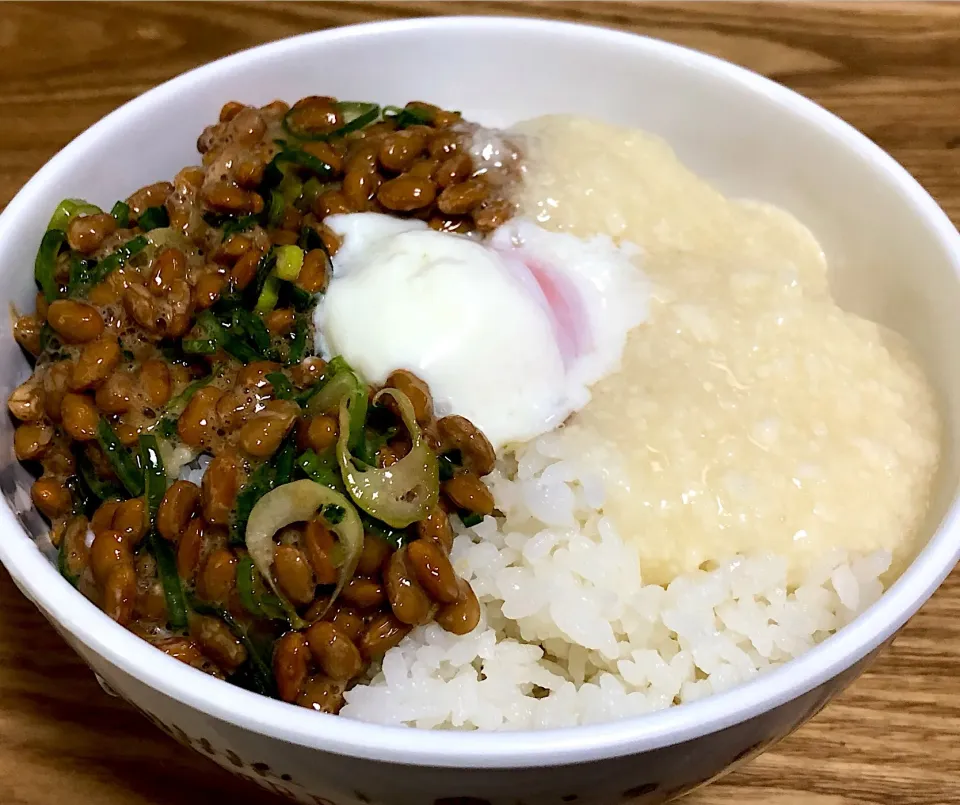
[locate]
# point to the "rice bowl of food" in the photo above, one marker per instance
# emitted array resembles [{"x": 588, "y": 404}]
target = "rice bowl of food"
[{"x": 393, "y": 444}]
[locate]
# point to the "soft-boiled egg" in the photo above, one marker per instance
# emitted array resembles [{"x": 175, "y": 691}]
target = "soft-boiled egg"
[{"x": 509, "y": 332}]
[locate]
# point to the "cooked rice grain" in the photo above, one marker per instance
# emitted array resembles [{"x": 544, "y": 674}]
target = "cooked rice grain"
[{"x": 569, "y": 633}]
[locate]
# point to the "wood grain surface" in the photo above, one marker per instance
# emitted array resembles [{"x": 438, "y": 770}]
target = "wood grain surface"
[{"x": 892, "y": 70}]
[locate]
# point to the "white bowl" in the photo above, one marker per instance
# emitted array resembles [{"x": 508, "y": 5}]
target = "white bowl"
[{"x": 895, "y": 257}]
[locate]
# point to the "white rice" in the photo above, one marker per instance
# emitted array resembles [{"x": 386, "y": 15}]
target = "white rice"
[
  {"x": 570, "y": 635},
  {"x": 194, "y": 468}
]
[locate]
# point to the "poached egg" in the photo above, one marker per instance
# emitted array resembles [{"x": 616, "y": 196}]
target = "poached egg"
[{"x": 509, "y": 332}]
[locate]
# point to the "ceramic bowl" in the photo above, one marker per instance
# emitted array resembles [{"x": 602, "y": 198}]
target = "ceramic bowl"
[{"x": 895, "y": 258}]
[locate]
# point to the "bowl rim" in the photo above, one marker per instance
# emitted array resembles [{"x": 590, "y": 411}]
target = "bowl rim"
[{"x": 521, "y": 749}]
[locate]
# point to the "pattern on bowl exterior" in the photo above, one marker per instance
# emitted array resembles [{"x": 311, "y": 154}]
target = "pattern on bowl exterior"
[
  {"x": 656, "y": 777},
  {"x": 896, "y": 259}
]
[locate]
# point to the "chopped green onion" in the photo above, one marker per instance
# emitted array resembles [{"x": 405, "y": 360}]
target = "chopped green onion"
[
  {"x": 172, "y": 588},
  {"x": 253, "y": 327},
  {"x": 470, "y": 519},
  {"x": 80, "y": 275},
  {"x": 310, "y": 239},
  {"x": 322, "y": 469},
  {"x": 166, "y": 427},
  {"x": 70, "y": 208},
  {"x": 269, "y": 296},
  {"x": 282, "y": 387},
  {"x": 154, "y": 475},
  {"x": 333, "y": 514},
  {"x": 255, "y": 488},
  {"x": 47, "y": 334},
  {"x": 289, "y": 262},
  {"x": 407, "y": 116},
  {"x": 153, "y": 218},
  {"x": 155, "y": 486},
  {"x": 283, "y": 462},
  {"x": 299, "y": 343},
  {"x": 45, "y": 266},
  {"x": 371, "y": 444},
  {"x": 121, "y": 214},
  {"x": 83, "y": 499},
  {"x": 292, "y": 189},
  {"x": 449, "y": 463},
  {"x": 271, "y": 473},
  {"x": 200, "y": 346},
  {"x": 264, "y": 268},
  {"x": 122, "y": 461},
  {"x": 311, "y": 189},
  {"x": 277, "y": 206},
  {"x": 395, "y": 537},
  {"x": 104, "y": 490},
  {"x": 341, "y": 385},
  {"x": 240, "y": 350},
  {"x": 273, "y": 175},
  {"x": 257, "y": 601},
  {"x": 208, "y": 336},
  {"x": 287, "y": 192},
  {"x": 358, "y": 403},
  {"x": 178, "y": 403},
  {"x": 297, "y": 298},
  {"x": 334, "y": 367},
  {"x": 63, "y": 563},
  {"x": 94, "y": 274},
  {"x": 233, "y": 225},
  {"x": 262, "y": 675}
]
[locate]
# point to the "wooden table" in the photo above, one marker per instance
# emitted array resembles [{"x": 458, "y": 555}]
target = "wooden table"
[{"x": 892, "y": 70}]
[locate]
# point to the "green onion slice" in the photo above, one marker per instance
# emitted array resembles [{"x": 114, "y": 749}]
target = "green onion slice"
[
  {"x": 153, "y": 218},
  {"x": 269, "y": 295},
  {"x": 176, "y": 405},
  {"x": 70, "y": 208},
  {"x": 257, "y": 601},
  {"x": 470, "y": 519},
  {"x": 251, "y": 325},
  {"x": 341, "y": 386},
  {"x": 298, "y": 346},
  {"x": 206, "y": 337},
  {"x": 104, "y": 490},
  {"x": 90, "y": 275},
  {"x": 63, "y": 563},
  {"x": 322, "y": 468},
  {"x": 312, "y": 188},
  {"x": 356, "y": 115},
  {"x": 122, "y": 461},
  {"x": 234, "y": 225},
  {"x": 299, "y": 157},
  {"x": 259, "y": 664},
  {"x": 292, "y": 503},
  {"x": 121, "y": 214},
  {"x": 398, "y": 495},
  {"x": 172, "y": 588},
  {"x": 155, "y": 486},
  {"x": 154, "y": 475},
  {"x": 282, "y": 387},
  {"x": 270, "y": 474},
  {"x": 407, "y": 116},
  {"x": 264, "y": 268},
  {"x": 289, "y": 262},
  {"x": 45, "y": 265}
]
